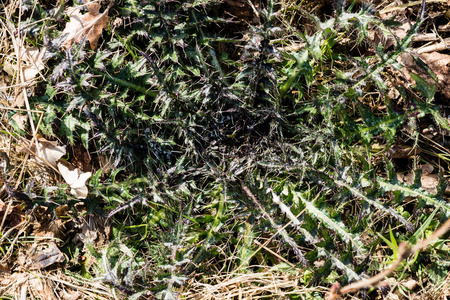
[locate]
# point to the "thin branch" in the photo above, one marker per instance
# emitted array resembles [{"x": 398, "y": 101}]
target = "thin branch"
[{"x": 404, "y": 251}]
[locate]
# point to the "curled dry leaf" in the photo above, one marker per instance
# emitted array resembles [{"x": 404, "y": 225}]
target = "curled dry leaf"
[
  {"x": 14, "y": 214},
  {"x": 76, "y": 179},
  {"x": 80, "y": 25}
]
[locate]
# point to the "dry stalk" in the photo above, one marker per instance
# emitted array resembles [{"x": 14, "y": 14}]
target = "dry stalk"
[
  {"x": 274, "y": 254},
  {"x": 18, "y": 51},
  {"x": 426, "y": 37},
  {"x": 445, "y": 44},
  {"x": 444, "y": 28},
  {"x": 24, "y": 226},
  {"x": 292, "y": 48},
  {"x": 97, "y": 288},
  {"x": 404, "y": 251}
]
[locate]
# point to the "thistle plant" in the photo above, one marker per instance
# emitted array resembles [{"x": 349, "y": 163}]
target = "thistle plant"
[{"x": 256, "y": 159}]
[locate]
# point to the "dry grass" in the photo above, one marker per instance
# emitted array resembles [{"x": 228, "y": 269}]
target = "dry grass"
[
  {"x": 267, "y": 285},
  {"x": 52, "y": 285}
]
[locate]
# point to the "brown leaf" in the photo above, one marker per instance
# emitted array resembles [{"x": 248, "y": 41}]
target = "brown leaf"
[
  {"x": 33, "y": 56},
  {"x": 19, "y": 100},
  {"x": 410, "y": 284},
  {"x": 426, "y": 168},
  {"x": 47, "y": 150},
  {"x": 80, "y": 158},
  {"x": 377, "y": 36},
  {"x": 93, "y": 230},
  {"x": 14, "y": 215},
  {"x": 429, "y": 182},
  {"x": 80, "y": 25},
  {"x": 4, "y": 269},
  {"x": 45, "y": 255},
  {"x": 403, "y": 152},
  {"x": 439, "y": 64},
  {"x": 20, "y": 120},
  {"x": 32, "y": 63}
]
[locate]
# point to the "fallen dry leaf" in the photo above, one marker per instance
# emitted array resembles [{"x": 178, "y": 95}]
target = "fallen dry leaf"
[
  {"x": 439, "y": 64},
  {"x": 376, "y": 36},
  {"x": 14, "y": 214},
  {"x": 47, "y": 150},
  {"x": 4, "y": 269},
  {"x": 426, "y": 168},
  {"x": 20, "y": 120},
  {"x": 410, "y": 284},
  {"x": 32, "y": 63},
  {"x": 93, "y": 230},
  {"x": 91, "y": 23},
  {"x": 19, "y": 100},
  {"x": 76, "y": 179},
  {"x": 80, "y": 158},
  {"x": 403, "y": 152},
  {"x": 33, "y": 56},
  {"x": 45, "y": 255}
]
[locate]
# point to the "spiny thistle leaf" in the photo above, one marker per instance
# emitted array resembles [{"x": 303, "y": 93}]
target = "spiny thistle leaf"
[
  {"x": 332, "y": 224},
  {"x": 396, "y": 186}
]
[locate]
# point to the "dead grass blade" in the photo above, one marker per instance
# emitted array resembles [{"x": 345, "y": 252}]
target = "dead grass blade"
[{"x": 247, "y": 286}]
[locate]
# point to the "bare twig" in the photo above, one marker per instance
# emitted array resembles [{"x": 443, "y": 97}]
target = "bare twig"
[
  {"x": 445, "y": 44},
  {"x": 404, "y": 251},
  {"x": 444, "y": 28},
  {"x": 292, "y": 48},
  {"x": 426, "y": 37}
]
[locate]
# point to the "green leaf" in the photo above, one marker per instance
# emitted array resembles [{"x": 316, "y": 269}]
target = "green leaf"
[
  {"x": 425, "y": 67},
  {"x": 314, "y": 44},
  {"x": 332, "y": 224},
  {"x": 420, "y": 233},
  {"x": 415, "y": 192},
  {"x": 425, "y": 89},
  {"x": 68, "y": 124},
  {"x": 99, "y": 57},
  {"x": 117, "y": 60}
]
